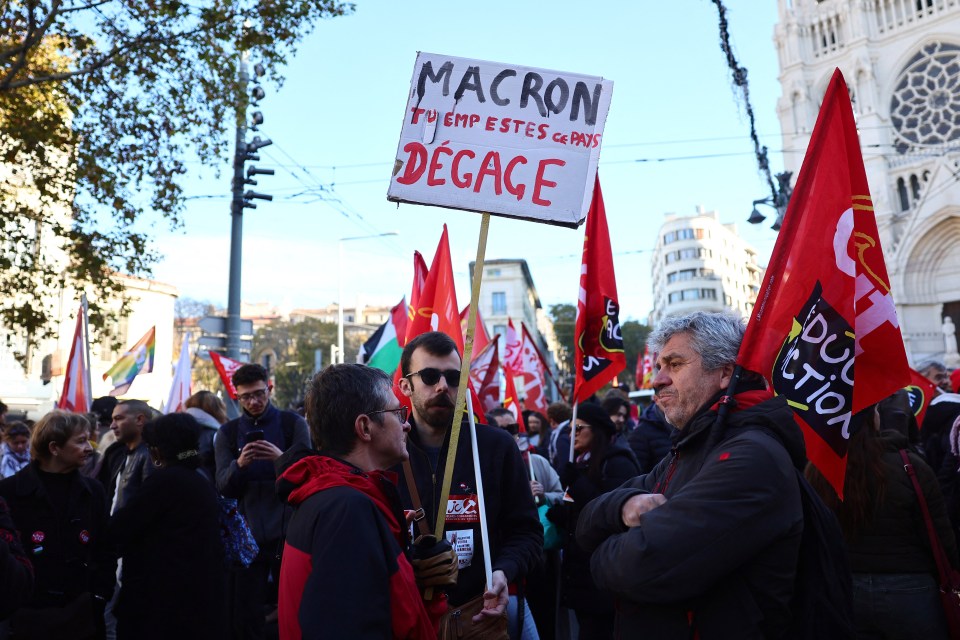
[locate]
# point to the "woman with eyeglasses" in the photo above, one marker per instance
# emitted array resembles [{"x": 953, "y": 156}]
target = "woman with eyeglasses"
[{"x": 602, "y": 464}]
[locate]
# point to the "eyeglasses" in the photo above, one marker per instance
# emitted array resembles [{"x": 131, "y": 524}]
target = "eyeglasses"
[
  {"x": 259, "y": 394},
  {"x": 431, "y": 376},
  {"x": 402, "y": 412}
]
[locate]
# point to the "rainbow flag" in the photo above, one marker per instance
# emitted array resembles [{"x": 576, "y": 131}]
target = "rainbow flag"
[{"x": 138, "y": 359}]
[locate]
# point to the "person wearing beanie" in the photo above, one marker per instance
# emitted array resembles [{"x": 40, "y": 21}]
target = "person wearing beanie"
[{"x": 602, "y": 464}]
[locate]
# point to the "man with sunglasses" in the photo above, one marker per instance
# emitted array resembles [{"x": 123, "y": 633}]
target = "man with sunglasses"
[
  {"x": 246, "y": 448},
  {"x": 347, "y": 564},
  {"x": 430, "y": 365}
]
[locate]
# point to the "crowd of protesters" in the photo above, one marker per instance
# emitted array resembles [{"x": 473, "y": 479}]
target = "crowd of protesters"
[{"x": 662, "y": 522}]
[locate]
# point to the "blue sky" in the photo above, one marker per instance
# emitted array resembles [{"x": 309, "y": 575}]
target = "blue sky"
[{"x": 676, "y": 137}]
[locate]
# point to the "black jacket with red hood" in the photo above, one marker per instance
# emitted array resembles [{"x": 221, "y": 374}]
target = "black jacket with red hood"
[{"x": 345, "y": 572}]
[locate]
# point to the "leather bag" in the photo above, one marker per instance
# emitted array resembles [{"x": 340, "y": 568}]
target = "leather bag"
[{"x": 457, "y": 623}]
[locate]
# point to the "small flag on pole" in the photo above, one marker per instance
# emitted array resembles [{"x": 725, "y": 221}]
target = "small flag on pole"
[
  {"x": 598, "y": 350},
  {"x": 226, "y": 367}
]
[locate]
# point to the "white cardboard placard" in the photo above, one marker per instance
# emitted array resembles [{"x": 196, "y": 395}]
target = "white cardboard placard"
[{"x": 501, "y": 139}]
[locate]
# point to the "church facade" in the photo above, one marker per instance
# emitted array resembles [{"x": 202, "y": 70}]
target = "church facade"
[{"x": 901, "y": 62}]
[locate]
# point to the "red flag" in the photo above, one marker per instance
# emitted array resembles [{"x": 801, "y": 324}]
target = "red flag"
[
  {"x": 920, "y": 391},
  {"x": 485, "y": 376},
  {"x": 513, "y": 350},
  {"x": 75, "y": 395},
  {"x": 645, "y": 367},
  {"x": 512, "y": 400},
  {"x": 598, "y": 351},
  {"x": 226, "y": 367},
  {"x": 419, "y": 278},
  {"x": 437, "y": 309},
  {"x": 825, "y": 302},
  {"x": 534, "y": 375},
  {"x": 480, "y": 337}
]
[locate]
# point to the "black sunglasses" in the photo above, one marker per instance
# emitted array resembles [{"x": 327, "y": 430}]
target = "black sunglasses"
[{"x": 431, "y": 376}]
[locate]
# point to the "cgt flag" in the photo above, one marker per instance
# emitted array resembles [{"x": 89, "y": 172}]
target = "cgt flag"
[
  {"x": 644, "y": 377},
  {"x": 598, "y": 350},
  {"x": 825, "y": 315},
  {"x": 920, "y": 392},
  {"x": 436, "y": 308}
]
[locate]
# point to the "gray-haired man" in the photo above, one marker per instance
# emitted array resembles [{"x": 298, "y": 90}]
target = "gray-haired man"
[{"x": 707, "y": 542}]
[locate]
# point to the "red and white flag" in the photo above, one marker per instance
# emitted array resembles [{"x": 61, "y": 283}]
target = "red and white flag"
[
  {"x": 534, "y": 375},
  {"x": 513, "y": 350},
  {"x": 76, "y": 395},
  {"x": 485, "y": 376},
  {"x": 825, "y": 302},
  {"x": 182, "y": 379},
  {"x": 598, "y": 349},
  {"x": 226, "y": 367}
]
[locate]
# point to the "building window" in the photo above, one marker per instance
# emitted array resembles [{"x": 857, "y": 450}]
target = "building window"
[
  {"x": 493, "y": 272},
  {"x": 499, "y": 303},
  {"x": 682, "y": 234},
  {"x": 500, "y": 329}
]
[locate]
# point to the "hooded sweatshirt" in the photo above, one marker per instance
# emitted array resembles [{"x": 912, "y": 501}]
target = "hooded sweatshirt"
[{"x": 345, "y": 571}]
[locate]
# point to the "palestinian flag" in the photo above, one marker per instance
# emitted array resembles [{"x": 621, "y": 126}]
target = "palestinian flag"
[{"x": 383, "y": 349}]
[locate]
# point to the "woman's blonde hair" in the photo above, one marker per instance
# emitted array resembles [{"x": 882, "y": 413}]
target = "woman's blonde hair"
[{"x": 57, "y": 426}]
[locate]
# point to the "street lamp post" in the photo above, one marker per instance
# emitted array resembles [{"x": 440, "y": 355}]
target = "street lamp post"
[{"x": 340, "y": 285}]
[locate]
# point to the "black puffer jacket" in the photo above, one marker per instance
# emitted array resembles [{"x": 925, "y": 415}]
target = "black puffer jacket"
[
  {"x": 719, "y": 558},
  {"x": 578, "y": 590},
  {"x": 895, "y": 540},
  {"x": 651, "y": 439}
]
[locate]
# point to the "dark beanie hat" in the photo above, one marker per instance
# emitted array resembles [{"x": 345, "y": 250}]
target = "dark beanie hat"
[{"x": 596, "y": 416}]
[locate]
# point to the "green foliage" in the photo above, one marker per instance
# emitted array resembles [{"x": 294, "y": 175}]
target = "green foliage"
[
  {"x": 564, "y": 317},
  {"x": 101, "y": 105},
  {"x": 293, "y": 344}
]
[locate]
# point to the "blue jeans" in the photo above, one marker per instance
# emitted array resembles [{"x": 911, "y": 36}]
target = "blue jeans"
[
  {"x": 898, "y": 606},
  {"x": 529, "y": 628}
]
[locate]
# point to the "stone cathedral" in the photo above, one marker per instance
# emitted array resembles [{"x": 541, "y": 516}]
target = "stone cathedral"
[{"x": 901, "y": 62}]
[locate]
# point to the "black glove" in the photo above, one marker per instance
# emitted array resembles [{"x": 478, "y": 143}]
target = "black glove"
[{"x": 434, "y": 563}]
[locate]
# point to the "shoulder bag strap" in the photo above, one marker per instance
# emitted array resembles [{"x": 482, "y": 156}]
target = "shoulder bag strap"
[
  {"x": 938, "y": 552},
  {"x": 419, "y": 515}
]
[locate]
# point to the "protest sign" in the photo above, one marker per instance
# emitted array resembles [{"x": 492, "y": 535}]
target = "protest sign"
[{"x": 501, "y": 139}]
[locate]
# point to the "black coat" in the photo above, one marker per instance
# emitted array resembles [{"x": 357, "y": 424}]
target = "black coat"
[
  {"x": 516, "y": 543},
  {"x": 895, "y": 539},
  {"x": 173, "y": 572},
  {"x": 651, "y": 439},
  {"x": 578, "y": 590},
  {"x": 69, "y": 549},
  {"x": 724, "y": 546}
]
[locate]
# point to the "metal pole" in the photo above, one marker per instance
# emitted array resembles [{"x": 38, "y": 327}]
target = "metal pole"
[{"x": 236, "y": 213}]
